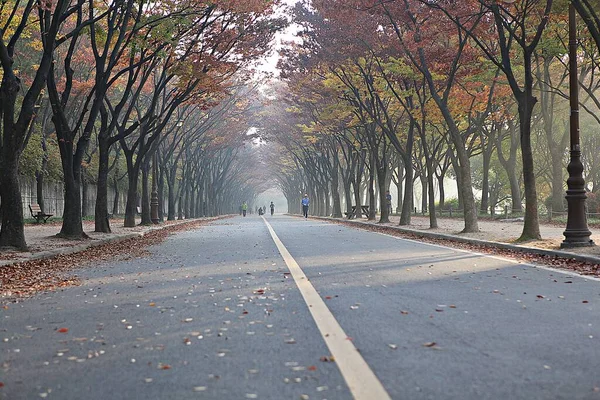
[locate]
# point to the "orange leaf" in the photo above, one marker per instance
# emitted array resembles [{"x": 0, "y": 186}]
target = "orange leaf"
[
  {"x": 312, "y": 368},
  {"x": 63, "y": 330}
]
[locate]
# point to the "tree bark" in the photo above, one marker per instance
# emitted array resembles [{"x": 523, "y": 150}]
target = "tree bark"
[
  {"x": 531, "y": 226},
  {"x": 12, "y": 233},
  {"x": 146, "y": 218},
  {"x": 335, "y": 191},
  {"x": 101, "y": 221}
]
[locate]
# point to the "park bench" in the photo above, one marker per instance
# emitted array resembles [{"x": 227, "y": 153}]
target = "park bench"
[
  {"x": 36, "y": 212},
  {"x": 351, "y": 214}
]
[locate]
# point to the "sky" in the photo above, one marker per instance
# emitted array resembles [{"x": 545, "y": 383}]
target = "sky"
[{"x": 269, "y": 65}]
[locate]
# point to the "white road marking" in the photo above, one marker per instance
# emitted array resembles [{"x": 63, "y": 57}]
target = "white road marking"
[{"x": 362, "y": 382}]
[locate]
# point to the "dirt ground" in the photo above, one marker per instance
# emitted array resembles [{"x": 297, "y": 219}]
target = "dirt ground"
[
  {"x": 42, "y": 237},
  {"x": 503, "y": 231}
]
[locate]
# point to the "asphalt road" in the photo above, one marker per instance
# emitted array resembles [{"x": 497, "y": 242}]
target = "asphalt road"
[{"x": 216, "y": 314}]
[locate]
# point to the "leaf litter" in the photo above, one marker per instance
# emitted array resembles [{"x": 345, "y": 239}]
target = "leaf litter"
[{"x": 27, "y": 278}]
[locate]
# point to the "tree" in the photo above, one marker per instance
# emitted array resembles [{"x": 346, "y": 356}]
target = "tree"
[
  {"x": 17, "y": 111},
  {"x": 519, "y": 24}
]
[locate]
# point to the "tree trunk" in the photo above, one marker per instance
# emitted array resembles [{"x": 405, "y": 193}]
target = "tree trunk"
[
  {"x": 161, "y": 194},
  {"x": 84, "y": 196},
  {"x": 40, "y": 176},
  {"x": 335, "y": 191},
  {"x": 348, "y": 195},
  {"x": 424, "y": 192},
  {"x": 441, "y": 191},
  {"x": 39, "y": 186},
  {"x": 408, "y": 194},
  {"x": 101, "y": 221},
  {"x": 146, "y": 217},
  {"x": 430, "y": 180},
  {"x": 115, "y": 207},
  {"x": 171, "y": 205},
  {"x": 485, "y": 187},
  {"x": 132, "y": 197},
  {"x": 531, "y": 227},
  {"x": 72, "y": 226},
  {"x": 382, "y": 183},
  {"x": 371, "y": 191},
  {"x": 180, "y": 208},
  {"x": 12, "y": 233}
]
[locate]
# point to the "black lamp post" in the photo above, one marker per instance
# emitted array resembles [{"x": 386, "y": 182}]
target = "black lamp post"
[{"x": 577, "y": 233}]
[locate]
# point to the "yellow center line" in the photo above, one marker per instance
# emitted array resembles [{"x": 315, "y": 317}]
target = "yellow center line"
[{"x": 361, "y": 380}]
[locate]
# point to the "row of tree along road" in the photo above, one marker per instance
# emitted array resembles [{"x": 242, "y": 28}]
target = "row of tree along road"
[
  {"x": 133, "y": 90},
  {"x": 413, "y": 91}
]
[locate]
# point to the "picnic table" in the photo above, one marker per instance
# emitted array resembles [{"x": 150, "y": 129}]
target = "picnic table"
[{"x": 352, "y": 214}]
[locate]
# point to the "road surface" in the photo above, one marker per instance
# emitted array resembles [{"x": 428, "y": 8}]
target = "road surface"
[{"x": 218, "y": 313}]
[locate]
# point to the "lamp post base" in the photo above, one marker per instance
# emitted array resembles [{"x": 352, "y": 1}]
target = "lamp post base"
[
  {"x": 571, "y": 244},
  {"x": 154, "y": 208}
]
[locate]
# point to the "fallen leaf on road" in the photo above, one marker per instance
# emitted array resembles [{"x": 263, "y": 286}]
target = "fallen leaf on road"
[
  {"x": 585, "y": 301},
  {"x": 327, "y": 359},
  {"x": 403, "y": 312},
  {"x": 312, "y": 368},
  {"x": 429, "y": 344},
  {"x": 63, "y": 330},
  {"x": 393, "y": 346}
]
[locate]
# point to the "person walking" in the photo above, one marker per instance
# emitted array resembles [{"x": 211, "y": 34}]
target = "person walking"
[
  {"x": 388, "y": 201},
  {"x": 305, "y": 203},
  {"x": 272, "y": 208},
  {"x": 244, "y": 208}
]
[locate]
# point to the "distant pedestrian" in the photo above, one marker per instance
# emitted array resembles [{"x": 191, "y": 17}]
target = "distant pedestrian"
[
  {"x": 388, "y": 201},
  {"x": 244, "y": 208},
  {"x": 305, "y": 204},
  {"x": 272, "y": 208}
]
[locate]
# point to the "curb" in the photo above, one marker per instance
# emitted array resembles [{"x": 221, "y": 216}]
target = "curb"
[
  {"x": 99, "y": 242},
  {"x": 479, "y": 242}
]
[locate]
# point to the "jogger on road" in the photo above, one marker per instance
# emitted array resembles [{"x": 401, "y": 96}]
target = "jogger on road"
[{"x": 305, "y": 203}]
